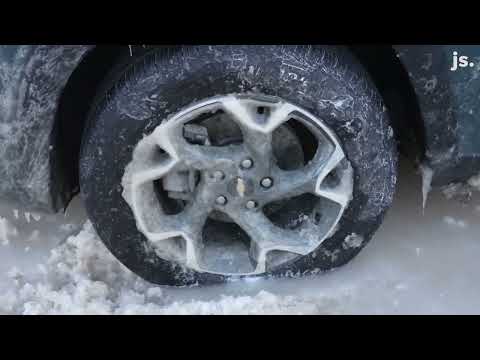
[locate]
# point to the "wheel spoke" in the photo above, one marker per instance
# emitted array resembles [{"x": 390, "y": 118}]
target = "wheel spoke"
[
  {"x": 289, "y": 184},
  {"x": 191, "y": 221},
  {"x": 257, "y": 128},
  {"x": 340, "y": 192},
  {"x": 266, "y": 236},
  {"x": 293, "y": 183},
  {"x": 188, "y": 224},
  {"x": 193, "y": 218},
  {"x": 259, "y": 145},
  {"x": 311, "y": 179},
  {"x": 153, "y": 173},
  {"x": 246, "y": 113}
]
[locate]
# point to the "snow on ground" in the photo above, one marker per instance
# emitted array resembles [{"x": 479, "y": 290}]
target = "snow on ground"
[{"x": 416, "y": 263}]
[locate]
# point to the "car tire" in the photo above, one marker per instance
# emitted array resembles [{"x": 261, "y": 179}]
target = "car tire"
[{"x": 327, "y": 81}]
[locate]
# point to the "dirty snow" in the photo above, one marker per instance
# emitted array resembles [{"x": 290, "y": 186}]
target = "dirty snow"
[{"x": 416, "y": 264}]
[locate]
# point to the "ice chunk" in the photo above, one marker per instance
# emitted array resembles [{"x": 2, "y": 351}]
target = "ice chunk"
[{"x": 455, "y": 222}]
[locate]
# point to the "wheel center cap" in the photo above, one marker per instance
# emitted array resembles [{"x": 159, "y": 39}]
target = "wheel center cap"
[{"x": 240, "y": 187}]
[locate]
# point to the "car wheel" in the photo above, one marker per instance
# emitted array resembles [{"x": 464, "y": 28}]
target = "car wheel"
[{"x": 206, "y": 163}]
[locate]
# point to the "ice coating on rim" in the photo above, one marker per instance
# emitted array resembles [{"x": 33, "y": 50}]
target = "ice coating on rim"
[{"x": 166, "y": 151}]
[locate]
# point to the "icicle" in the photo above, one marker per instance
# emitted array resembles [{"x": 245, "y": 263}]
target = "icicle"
[{"x": 427, "y": 175}]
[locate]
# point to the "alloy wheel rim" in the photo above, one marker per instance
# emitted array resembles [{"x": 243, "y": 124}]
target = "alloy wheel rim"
[{"x": 238, "y": 180}]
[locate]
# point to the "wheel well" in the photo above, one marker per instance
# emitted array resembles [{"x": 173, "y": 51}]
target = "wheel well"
[
  {"x": 75, "y": 102},
  {"x": 392, "y": 81}
]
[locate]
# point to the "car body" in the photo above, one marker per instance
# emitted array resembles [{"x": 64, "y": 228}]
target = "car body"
[{"x": 46, "y": 90}]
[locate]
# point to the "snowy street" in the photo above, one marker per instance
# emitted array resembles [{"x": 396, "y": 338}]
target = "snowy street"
[{"x": 415, "y": 264}]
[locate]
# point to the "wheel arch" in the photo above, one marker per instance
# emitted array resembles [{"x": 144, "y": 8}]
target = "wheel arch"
[
  {"x": 430, "y": 104},
  {"x": 392, "y": 80},
  {"x": 70, "y": 118}
]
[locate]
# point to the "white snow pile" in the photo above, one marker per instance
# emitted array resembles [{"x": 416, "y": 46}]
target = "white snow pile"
[
  {"x": 82, "y": 277},
  {"x": 455, "y": 222},
  {"x": 474, "y": 182},
  {"x": 462, "y": 192},
  {"x": 414, "y": 265}
]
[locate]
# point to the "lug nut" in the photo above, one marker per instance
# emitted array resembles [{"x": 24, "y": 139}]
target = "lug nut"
[
  {"x": 247, "y": 163},
  {"x": 251, "y": 204},
  {"x": 218, "y": 175},
  {"x": 267, "y": 183},
  {"x": 221, "y": 200}
]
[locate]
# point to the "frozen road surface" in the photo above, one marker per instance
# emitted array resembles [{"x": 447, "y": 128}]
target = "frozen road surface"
[{"x": 416, "y": 264}]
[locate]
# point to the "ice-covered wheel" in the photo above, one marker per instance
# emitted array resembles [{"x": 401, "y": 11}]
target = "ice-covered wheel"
[
  {"x": 204, "y": 163},
  {"x": 216, "y": 159}
]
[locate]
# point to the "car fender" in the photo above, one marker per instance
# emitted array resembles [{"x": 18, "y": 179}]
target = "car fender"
[
  {"x": 32, "y": 78},
  {"x": 449, "y": 103}
]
